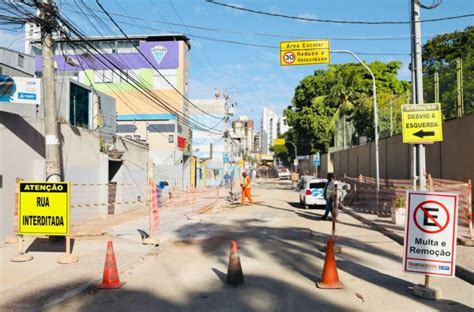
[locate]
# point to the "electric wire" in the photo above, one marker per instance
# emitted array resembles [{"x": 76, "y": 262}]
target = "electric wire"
[
  {"x": 319, "y": 20},
  {"x": 150, "y": 63},
  {"x": 259, "y": 34}
]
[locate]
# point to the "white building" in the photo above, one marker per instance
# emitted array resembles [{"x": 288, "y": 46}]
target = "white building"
[
  {"x": 243, "y": 129},
  {"x": 282, "y": 126},
  {"x": 269, "y": 128}
]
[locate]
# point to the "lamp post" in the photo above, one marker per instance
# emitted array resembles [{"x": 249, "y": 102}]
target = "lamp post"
[{"x": 376, "y": 119}]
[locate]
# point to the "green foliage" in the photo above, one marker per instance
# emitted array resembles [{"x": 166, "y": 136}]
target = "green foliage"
[
  {"x": 346, "y": 89},
  {"x": 399, "y": 202},
  {"x": 440, "y": 55},
  {"x": 282, "y": 153}
]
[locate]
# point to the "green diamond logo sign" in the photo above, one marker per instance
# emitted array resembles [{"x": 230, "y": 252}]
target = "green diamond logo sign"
[{"x": 159, "y": 53}]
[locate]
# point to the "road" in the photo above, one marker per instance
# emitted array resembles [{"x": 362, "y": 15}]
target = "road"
[{"x": 281, "y": 262}]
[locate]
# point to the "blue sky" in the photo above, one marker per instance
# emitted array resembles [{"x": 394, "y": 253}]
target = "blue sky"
[{"x": 253, "y": 74}]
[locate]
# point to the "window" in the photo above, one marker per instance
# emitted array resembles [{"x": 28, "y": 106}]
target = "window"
[
  {"x": 161, "y": 128},
  {"x": 79, "y": 106},
  {"x": 21, "y": 60},
  {"x": 104, "y": 76},
  {"x": 318, "y": 185},
  {"x": 127, "y": 47},
  {"x": 129, "y": 75}
]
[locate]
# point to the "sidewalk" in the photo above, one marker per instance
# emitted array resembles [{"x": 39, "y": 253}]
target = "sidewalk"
[
  {"x": 465, "y": 254},
  {"x": 42, "y": 282}
]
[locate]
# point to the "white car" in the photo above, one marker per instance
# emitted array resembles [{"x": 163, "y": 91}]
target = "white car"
[
  {"x": 311, "y": 192},
  {"x": 284, "y": 174}
]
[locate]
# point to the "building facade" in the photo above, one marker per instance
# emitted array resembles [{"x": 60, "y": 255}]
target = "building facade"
[
  {"x": 208, "y": 146},
  {"x": 148, "y": 76},
  {"x": 269, "y": 128},
  {"x": 243, "y": 129}
]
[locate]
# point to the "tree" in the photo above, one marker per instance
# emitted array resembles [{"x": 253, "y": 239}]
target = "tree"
[
  {"x": 346, "y": 89},
  {"x": 440, "y": 55}
]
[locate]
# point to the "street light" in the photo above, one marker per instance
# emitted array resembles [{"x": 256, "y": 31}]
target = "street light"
[{"x": 376, "y": 118}]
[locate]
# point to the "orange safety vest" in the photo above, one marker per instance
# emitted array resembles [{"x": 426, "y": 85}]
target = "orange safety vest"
[{"x": 246, "y": 182}]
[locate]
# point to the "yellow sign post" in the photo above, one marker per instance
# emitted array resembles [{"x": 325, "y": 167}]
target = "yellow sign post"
[
  {"x": 422, "y": 123},
  {"x": 278, "y": 142},
  {"x": 304, "y": 52},
  {"x": 44, "y": 208}
]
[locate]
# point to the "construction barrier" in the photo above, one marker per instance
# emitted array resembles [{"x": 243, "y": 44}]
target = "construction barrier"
[{"x": 364, "y": 197}]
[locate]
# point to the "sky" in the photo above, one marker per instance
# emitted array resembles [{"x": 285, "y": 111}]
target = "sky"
[{"x": 252, "y": 75}]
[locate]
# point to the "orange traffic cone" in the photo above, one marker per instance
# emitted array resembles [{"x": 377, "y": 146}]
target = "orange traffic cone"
[
  {"x": 110, "y": 278},
  {"x": 330, "y": 278},
  {"x": 234, "y": 271}
]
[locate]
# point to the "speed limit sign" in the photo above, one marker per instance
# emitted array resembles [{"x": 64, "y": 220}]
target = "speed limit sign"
[{"x": 288, "y": 57}]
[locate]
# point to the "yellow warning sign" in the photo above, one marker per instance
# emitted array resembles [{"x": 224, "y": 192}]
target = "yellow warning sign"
[
  {"x": 422, "y": 123},
  {"x": 43, "y": 208},
  {"x": 304, "y": 52},
  {"x": 278, "y": 142}
]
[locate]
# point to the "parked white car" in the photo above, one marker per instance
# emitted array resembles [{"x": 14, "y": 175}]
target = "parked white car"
[
  {"x": 284, "y": 174},
  {"x": 311, "y": 192}
]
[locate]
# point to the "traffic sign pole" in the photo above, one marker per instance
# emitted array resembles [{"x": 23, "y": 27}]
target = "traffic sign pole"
[{"x": 426, "y": 291}]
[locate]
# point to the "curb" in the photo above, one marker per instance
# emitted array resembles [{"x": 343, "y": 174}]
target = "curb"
[{"x": 462, "y": 272}]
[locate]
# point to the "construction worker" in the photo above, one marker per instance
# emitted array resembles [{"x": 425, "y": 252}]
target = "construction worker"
[{"x": 246, "y": 188}]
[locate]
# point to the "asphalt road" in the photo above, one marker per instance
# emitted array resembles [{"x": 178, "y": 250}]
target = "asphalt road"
[{"x": 278, "y": 243}]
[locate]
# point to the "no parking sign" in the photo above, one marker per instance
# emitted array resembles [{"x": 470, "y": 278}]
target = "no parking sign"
[{"x": 430, "y": 233}]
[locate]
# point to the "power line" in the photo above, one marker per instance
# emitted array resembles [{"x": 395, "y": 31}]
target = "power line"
[
  {"x": 23, "y": 11},
  {"x": 255, "y": 45},
  {"x": 319, "y": 20},
  {"x": 151, "y": 64},
  {"x": 258, "y": 34}
]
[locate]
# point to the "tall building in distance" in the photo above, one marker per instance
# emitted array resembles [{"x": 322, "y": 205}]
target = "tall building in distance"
[
  {"x": 243, "y": 131},
  {"x": 282, "y": 126},
  {"x": 268, "y": 128},
  {"x": 272, "y": 126},
  {"x": 207, "y": 145}
]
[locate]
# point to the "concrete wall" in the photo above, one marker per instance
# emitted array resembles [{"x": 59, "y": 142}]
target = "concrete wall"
[
  {"x": 452, "y": 159},
  {"x": 21, "y": 155},
  {"x": 85, "y": 167},
  {"x": 132, "y": 177}
]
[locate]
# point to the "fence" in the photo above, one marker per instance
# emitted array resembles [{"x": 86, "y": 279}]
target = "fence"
[
  {"x": 364, "y": 195},
  {"x": 451, "y": 86}
]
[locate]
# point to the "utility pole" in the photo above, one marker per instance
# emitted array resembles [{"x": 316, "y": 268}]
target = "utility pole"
[
  {"x": 459, "y": 87},
  {"x": 416, "y": 44},
  {"x": 424, "y": 291},
  {"x": 391, "y": 118},
  {"x": 51, "y": 127},
  {"x": 226, "y": 134},
  {"x": 53, "y": 167}
]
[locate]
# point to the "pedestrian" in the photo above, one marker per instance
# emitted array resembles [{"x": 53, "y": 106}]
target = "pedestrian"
[
  {"x": 226, "y": 179},
  {"x": 328, "y": 192},
  {"x": 246, "y": 181}
]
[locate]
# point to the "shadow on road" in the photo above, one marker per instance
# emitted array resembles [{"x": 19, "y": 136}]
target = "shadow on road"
[{"x": 41, "y": 244}]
